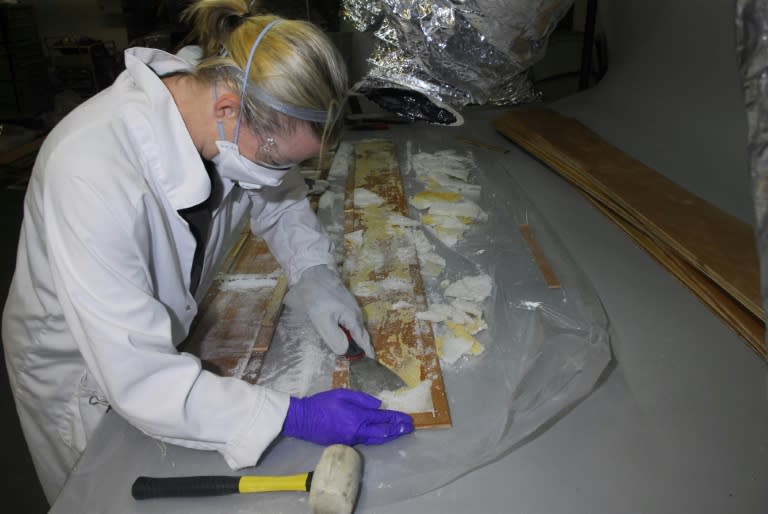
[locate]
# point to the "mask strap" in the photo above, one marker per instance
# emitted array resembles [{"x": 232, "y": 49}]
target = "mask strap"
[
  {"x": 302, "y": 113},
  {"x": 247, "y": 70}
]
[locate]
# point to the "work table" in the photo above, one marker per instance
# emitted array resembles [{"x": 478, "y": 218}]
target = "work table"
[{"x": 678, "y": 423}]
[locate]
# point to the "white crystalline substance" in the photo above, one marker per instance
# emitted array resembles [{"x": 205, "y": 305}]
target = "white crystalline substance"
[
  {"x": 474, "y": 289},
  {"x": 297, "y": 377},
  {"x": 473, "y": 308},
  {"x": 369, "y": 288},
  {"x": 431, "y": 264},
  {"x": 413, "y": 400},
  {"x": 446, "y": 236},
  {"x": 406, "y": 254},
  {"x": 463, "y": 208},
  {"x": 340, "y": 164},
  {"x": 433, "y": 258},
  {"x": 401, "y": 305},
  {"x": 444, "y": 162},
  {"x": 420, "y": 204},
  {"x": 401, "y": 221},
  {"x": 366, "y": 289},
  {"x": 420, "y": 241},
  {"x": 247, "y": 282},
  {"x": 468, "y": 191},
  {"x": 369, "y": 258},
  {"x": 396, "y": 284},
  {"x": 440, "y": 312},
  {"x": 334, "y": 229},
  {"x": 447, "y": 170},
  {"x": 365, "y": 198},
  {"x": 430, "y": 315},
  {"x": 453, "y": 348},
  {"x": 355, "y": 238},
  {"x": 444, "y": 221},
  {"x": 327, "y": 199}
]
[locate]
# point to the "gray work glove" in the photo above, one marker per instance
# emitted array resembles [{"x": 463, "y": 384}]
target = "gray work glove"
[{"x": 320, "y": 294}]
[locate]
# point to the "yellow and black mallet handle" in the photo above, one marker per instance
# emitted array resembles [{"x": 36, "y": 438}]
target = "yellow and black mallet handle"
[{"x": 152, "y": 487}]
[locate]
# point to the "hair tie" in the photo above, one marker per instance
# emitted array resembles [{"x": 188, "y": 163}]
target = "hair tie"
[{"x": 235, "y": 20}]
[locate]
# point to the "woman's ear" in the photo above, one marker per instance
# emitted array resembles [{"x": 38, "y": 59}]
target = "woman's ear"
[{"x": 227, "y": 105}]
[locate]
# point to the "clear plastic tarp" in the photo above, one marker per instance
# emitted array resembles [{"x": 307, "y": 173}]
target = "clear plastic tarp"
[{"x": 544, "y": 349}]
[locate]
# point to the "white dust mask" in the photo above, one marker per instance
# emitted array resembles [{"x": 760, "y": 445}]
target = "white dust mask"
[
  {"x": 229, "y": 161},
  {"x": 231, "y": 164}
]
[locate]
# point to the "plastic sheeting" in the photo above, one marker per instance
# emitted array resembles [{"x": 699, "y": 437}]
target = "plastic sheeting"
[
  {"x": 544, "y": 349},
  {"x": 752, "y": 49},
  {"x": 433, "y": 57}
]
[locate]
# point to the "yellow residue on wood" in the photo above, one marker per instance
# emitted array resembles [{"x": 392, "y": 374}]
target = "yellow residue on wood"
[
  {"x": 431, "y": 196},
  {"x": 462, "y": 332}
]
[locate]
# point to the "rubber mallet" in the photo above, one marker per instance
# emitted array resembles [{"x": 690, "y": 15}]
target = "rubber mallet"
[{"x": 332, "y": 487}]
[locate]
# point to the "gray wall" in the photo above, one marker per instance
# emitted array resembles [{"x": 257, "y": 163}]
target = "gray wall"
[{"x": 674, "y": 96}]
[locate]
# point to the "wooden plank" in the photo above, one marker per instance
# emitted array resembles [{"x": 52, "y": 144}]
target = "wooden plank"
[
  {"x": 226, "y": 328},
  {"x": 538, "y": 255},
  {"x": 715, "y": 243},
  {"x": 235, "y": 325},
  {"x": 255, "y": 259},
  {"x": 741, "y": 320},
  {"x": 403, "y": 343},
  {"x": 234, "y": 253},
  {"x": 272, "y": 312},
  {"x": 236, "y": 319}
]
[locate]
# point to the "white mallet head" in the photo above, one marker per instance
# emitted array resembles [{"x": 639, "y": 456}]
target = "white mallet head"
[{"x": 336, "y": 481}]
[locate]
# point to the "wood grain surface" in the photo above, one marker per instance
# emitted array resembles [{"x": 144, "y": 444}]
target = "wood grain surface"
[
  {"x": 710, "y": 251},
  {"x": 236, "y": 319},
  {"x": 397, "y": 336},
  {"x": 538, "y": 255}
]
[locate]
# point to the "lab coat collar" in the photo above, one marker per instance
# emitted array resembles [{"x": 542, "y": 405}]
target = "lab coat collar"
[{"x": 181, "y": 172}]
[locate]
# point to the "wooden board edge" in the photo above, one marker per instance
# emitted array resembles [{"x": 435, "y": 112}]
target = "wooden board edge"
[
  {"x": 740, "y": 320},
  {"x": 550, "y": 278}
]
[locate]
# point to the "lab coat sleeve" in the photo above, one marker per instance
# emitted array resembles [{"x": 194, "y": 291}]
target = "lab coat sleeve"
[
  {"x": 283, "y": 218},
  {"x": 98, "y": 245}
]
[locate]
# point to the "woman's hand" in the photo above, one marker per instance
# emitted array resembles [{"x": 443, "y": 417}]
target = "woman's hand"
[{"x": 342, "y": 416}]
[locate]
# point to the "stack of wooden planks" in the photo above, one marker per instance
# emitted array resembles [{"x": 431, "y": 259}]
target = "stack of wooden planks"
[{"x": 712, "y": 253}]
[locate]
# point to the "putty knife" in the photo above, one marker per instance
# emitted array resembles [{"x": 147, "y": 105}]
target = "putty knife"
[{"x": 366, "y": 374}]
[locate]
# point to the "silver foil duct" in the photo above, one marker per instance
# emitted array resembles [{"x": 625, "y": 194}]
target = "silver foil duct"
[
  {"x": 433, "y": 57},
  {"x": 752, "y": 50}
]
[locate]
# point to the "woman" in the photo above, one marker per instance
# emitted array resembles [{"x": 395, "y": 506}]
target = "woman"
[{"x": 123, "y": 221}]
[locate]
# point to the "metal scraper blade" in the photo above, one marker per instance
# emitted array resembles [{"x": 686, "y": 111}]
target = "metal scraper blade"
[{"x": 372, "y": 377}]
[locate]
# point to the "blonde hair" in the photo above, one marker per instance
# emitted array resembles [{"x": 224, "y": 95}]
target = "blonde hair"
[{"x": 295, "y": 64}]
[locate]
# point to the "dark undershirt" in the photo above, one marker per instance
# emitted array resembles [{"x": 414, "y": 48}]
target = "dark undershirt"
[{"x": 199, "y": 219}]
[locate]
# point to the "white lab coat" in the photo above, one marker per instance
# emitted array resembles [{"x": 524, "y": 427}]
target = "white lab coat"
[{"x": 100, "y": 297}]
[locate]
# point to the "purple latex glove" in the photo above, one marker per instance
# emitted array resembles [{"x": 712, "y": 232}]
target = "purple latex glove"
[{"x": 342, "y": 416}]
